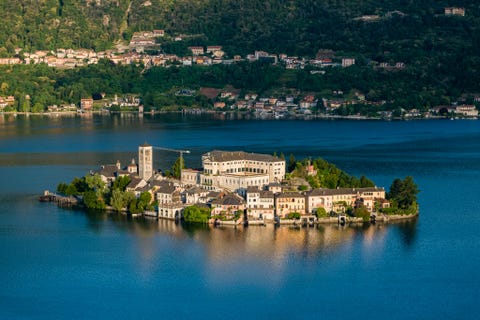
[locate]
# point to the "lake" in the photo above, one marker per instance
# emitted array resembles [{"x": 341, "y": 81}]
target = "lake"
[{"x": 59, "y": 263}]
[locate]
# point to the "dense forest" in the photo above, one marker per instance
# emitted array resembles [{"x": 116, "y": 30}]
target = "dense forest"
[{"x": 439, "y": 51}]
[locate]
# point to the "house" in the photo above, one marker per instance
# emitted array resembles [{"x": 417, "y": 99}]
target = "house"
[
  {"x": 260, "y": 204},
  {"x": 228, "y": 205},
  {"x": 158, "y": 33},
  {"x": 196, "y": 50},
  {"x": 347, "y": 62},
  {"x": 108, "y": 173},
  {"x": 6, "y": 101},
  {"x": 455, "y": 11},
  {"x": 135, "y": 184},
  {"x": 213, "y": 49},
  {"x": 194, "y": 194},
  {"x": 168, "y": 194},
  {"x": 86, "y": 104},
  {"x": 219, "y": 105},
  {"x": 10, "y": 61},
  {"x": 338, "y": 200},
  {"x": 289, "y": 202},
  {"x": 274, "y": 187},
  {"x": 466, "y": 110}
]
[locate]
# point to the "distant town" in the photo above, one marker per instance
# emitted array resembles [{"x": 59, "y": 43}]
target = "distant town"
[{"x": 145, "y": 49}]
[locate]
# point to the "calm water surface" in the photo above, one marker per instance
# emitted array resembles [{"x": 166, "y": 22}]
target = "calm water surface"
[{"x": 59, "y": 263}]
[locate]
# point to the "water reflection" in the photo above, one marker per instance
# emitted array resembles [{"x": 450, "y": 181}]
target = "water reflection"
[{"x": 274, "y": 244}]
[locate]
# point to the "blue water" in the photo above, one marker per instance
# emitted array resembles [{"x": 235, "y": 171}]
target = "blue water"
[{"x": 57, "y": 263}]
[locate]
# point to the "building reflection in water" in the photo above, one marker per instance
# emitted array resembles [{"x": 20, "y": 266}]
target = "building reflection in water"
[{"x": 269, "y": 250}]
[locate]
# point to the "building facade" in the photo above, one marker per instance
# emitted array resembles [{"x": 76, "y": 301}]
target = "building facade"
[
  {"x": 236, "y": 171},
  {"x": 145, "y": 161},
  {"x": 260, "y": 204}
]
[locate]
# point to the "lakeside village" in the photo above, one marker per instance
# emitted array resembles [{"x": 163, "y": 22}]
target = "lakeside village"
[
  {"x": 235, "y": 188},
  {"x": 144, "y": 48}
]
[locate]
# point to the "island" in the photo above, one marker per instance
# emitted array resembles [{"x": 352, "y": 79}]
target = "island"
[{"x": 238, "y": 188}]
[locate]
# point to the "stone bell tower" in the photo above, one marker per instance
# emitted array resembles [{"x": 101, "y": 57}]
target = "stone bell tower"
[{"x": 145, "y": 161}]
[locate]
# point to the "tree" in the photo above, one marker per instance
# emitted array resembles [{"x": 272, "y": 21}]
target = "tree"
[
  {"x": 196, "y": 214},
  {"x": 321, "y": 212},
  {"x": 93, "y": 201},
  {"x": 177, "y": 167},
  {"x": 62, "y": 187},
  {"x": 71, "y": 190},
  {"x": 121, "y": 183},
  {"x": 362, "y": 212},
  {"x": 291, "y": 163},
  {"x": 404, "y": 193},
  {"x": 365, "y": 182},
  {"x": 144, "y": 200},
  {"x": 293, "y": 215},
  {"x": 95, "y": 182},
  {"x": 120, "y": 199}
]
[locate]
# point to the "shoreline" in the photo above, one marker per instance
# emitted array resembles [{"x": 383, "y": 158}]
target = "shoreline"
[
  {"x": 304, "y": 221},
  {"x": 244, "y": 115}
]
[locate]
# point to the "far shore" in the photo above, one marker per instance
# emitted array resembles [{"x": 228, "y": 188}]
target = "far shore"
[{"x": 231, "y": 112}]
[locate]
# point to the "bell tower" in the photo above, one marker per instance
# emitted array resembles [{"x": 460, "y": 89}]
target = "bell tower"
[{"x": 145, "y": 161}]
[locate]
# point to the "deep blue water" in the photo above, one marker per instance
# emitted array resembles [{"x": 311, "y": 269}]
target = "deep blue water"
[{"x": 57, "y": 263}]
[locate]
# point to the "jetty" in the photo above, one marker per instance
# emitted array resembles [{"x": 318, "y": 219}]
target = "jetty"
[{"x": 60, "y": 200}]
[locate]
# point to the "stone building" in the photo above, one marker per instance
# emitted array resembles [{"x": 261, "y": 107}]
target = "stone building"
[
  {"x": 145, "y": 161},
  {"x": 236, "y": 171}
]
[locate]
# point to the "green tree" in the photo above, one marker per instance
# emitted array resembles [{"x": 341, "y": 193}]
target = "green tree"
[
  {"x": 362, "y": 212},
  {"x": 177, "y": 167},
  {"x": 321, "y": 212},
  {"x": 293, "y": 215},
  {"x": 291, "y": 163},
  {"x": 95, "y": 182},
  {"x": 62, "y": 187},
  {"x": 196, "y": 214},
  {"x": 120, "y": 199},
  {"x": 93, "y": 201},
  {"x": 144, "y": 200},
  {"x": 121, "y": 183},
  {"x": 71, "y": 190},
  {"x": 404, "y": 193}
]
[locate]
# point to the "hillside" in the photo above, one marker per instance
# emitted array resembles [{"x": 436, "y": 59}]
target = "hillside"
[
  {"x": 50, "y": 24},
  {"x": 437, "y": 52},
  {"x": 292, "y": 26}
]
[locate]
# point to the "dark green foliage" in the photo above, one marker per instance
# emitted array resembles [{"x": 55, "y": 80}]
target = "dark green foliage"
[
  {"x": 362, "y": 212},
  {"x": 321, "y": 212},
  {"x": 328, "y": 175},
  {"x": 93, "y": 201},
  {"x": 196, "y": 214},
  {"x": 403, "y": 192},
  {"x": 62, "y": 187},
  {"x": 121, "y": 183},
  {"x": 49, "y": 24},
  {"x": 141, "y": 204},
  {"x": 292, "y": 163},
  {"x": 177, "y": 167},
  {"x": 293, "y": 215}
]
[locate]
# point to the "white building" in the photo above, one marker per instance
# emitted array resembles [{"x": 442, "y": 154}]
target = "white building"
[
  {"x": 236, "y": 171},
  {"x": 260, "y": 204}
]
